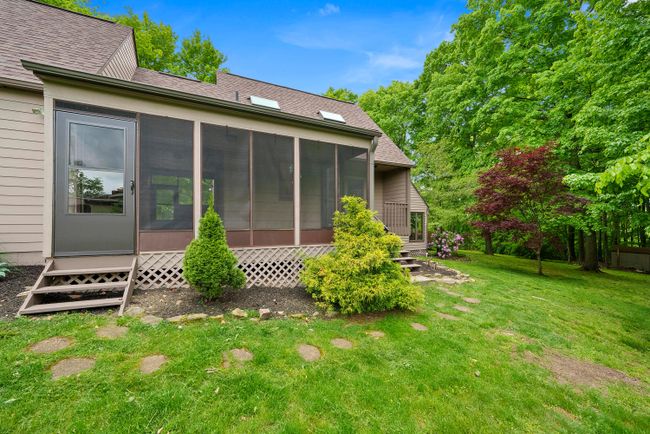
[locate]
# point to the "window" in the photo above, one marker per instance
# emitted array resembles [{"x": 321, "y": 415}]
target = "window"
[
  {"x": 272, "y": 182},
  {"x": 417, "y": 226},
  {"x": 353, "y": 171},
  {"x": 226, "y": 174},
  {"x": 332, "y": 116},
  {"x": 265, "y": 102},
  {"x": 317, "y": 184},
  {"x": 166, "y": 173},
  {"x": 95, "y": 170}
]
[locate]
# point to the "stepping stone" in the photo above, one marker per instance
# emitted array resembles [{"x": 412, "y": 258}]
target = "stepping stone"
[
  {"x": 462, "y": 308},
  {"x": 50, "y": 345},
  {"x": 343, "y": 344},
  {"x": 376, "y": 334},
  {"x": 152, "y": 363},
  {"x": 134, "y": 311},
  {"x": 419, "y": 327},
  {"x": 238, "y": 355},
  {"x": 151, "y": 319},
  {"x": 471, "y": 300},
  {"x": 111, "y": 332},
  {"x": 447, "y": 316},
  {"x": 71, "y": 366},
  {"x": 309, "y": 353},
  {"x": 196, "y": 316},
  {"x": 239, "y": 313},
  {"x": 452, "y": 293}
]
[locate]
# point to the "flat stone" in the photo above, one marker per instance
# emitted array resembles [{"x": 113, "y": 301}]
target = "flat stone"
[
  {"x": 419, "y": 327},
  {"x": 196, "y": 316},
  {"x": 239, "y": 313},
  {"x": 471, "y": 300},
  {"x": 460, "y": 308},
  {"x": 50, "y": 345},
  {"x": 264, "y": 313},
  {"x": 176, "y": 319},
  {"x": 217, "y": 317},
  {"x": 151, "y": 364},
  {"x": 447, "y": 316},
  {"x": 134, "y": 311},
  {"x": 376, "y": 334},
  {"x": 297, "y": 315},
  {"x": 111, "y": 332},
  {"x": 71, "y": 366},
  {"x": 151, "y": 319},
  {"x": 238, "y": 356},
  {"x": 344, "y": 344},
  {"x": 452, "y": 293},
  {"x": 309, "y": 353}
]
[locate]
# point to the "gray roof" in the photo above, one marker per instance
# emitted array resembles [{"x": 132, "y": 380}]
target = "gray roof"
[{"x": 49, "y": 35}]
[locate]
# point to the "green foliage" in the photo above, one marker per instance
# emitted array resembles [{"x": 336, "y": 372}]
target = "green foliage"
[
  {"x": 4, "y": 269},
  {"x": 359, "y": 276},
  {"x": 209, "y": 266},
  {"x": 342, "y": 94},
  {"x": 199, "y": 59}
]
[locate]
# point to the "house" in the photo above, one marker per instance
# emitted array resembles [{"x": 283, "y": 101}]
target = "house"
[{"x": 106, "y": 167}]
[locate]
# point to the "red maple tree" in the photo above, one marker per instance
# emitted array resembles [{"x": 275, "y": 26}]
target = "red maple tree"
[{"x": 523, "y": 194}]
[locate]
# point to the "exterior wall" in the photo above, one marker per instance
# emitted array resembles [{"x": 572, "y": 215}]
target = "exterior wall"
[
  {"x": 395, "y": 184},
  {"x": 123, "y": 62},
  {"x": 418, "y": 205},
  {"x": 124, "y": 100},
  {"x": 21, "y": 176},
  {"x": 379, "y": 195}
]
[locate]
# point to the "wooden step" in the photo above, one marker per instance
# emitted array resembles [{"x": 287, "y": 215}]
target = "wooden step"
[
  {"x": 72, "y": 305},
  {"x": 410, "y": 266},
  {"x": 403, "y": 258},
  {"x": 80, "y": 271},
  {"x": 86, "y": 287}
]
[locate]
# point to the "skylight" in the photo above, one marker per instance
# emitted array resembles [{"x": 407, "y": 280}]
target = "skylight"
[
  {"x": 332, "y": 116},
  {"x": 265, "y": 102}
]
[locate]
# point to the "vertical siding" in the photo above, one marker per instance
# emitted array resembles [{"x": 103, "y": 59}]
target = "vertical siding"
[
  {"x": 21, "y": 176},
  {"x": 395, "y": 186},
  {"x": 379, "y": 195},
  {"x": 122, "y": 63}
]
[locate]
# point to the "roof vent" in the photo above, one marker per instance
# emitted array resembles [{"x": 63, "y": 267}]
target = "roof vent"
[
  {"x": 332, "y": 116},
  {"x": 265, "y": 102}
]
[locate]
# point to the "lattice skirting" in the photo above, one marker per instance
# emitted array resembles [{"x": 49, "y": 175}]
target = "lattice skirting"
[{"x": 264, "y": 266}]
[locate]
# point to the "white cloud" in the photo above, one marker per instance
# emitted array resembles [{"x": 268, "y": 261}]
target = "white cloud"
[
  {"x": 393, "y": 61},
  {"x": 329, "y": 9}
]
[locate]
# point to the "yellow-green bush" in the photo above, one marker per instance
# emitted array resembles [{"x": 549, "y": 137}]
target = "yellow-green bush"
[
  {"x": 359, "y": 275},
  {"x": 209, "y": 265}
]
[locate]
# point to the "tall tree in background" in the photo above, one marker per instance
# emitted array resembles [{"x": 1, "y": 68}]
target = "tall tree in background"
[
  {"x": 157, "y": 42},
  {"x": 342, "y": 94},
  {"x": 523, "y": 194}
]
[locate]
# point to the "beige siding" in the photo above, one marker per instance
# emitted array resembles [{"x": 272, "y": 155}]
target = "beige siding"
[
  {"x": 395, "y": 183},
  {"x": 123, "y": 63},
  {"x": 418, "y": 205},
  {"x": 379, "y": 195},
  {"x": 21, "y": 176}
]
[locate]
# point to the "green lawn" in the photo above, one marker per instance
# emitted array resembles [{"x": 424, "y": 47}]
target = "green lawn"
[{"x": 407, "y": 381}]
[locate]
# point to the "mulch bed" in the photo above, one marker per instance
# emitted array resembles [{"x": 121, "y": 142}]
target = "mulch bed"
[
  {"x": 16, "y": 282},
  {"x": 431, "y": 267},
  {"x": 171, "y": 302}
]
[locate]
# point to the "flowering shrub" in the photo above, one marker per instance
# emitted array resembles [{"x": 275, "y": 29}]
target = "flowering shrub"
[{"x": 446, "y": 243}]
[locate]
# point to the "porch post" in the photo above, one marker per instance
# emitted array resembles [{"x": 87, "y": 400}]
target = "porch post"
[
  {"x": 48, "y": 174},
  {"x": 197, "y": 167},
  {"x": 371, "y": 178},
  {"x": 296, "y": 191}
]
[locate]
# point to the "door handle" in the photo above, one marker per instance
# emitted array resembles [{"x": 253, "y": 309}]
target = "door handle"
[{"x": 132, "y": 186}]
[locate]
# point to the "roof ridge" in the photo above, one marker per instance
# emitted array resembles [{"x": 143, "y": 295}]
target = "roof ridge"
[
  {"x": 285, "y": 87},
  {"x": 106, "y": 20}
]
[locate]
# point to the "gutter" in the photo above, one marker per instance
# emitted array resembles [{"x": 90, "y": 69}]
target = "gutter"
[
  {"x": 54, "y": 71},
  {"x": 20, "y": 84}
]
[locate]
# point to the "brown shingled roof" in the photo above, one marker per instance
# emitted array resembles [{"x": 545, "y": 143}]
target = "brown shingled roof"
[{"x": 45, "y": 34}]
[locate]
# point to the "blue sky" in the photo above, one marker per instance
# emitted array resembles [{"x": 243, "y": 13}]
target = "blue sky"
[{"x": 311, "y": 45}]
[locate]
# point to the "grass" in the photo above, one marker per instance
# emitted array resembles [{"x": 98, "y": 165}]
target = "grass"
[{"x": 405, "y": 382}]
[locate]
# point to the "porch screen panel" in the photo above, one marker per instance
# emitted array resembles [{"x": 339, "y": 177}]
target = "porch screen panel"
[
  {"x": 272, "y": 182},
  {"x": 165, "y": 173},
  {"x": 225, "y": 155},
  {"x": 317, "y": 184},
  {"x": 353, "y": 171}
]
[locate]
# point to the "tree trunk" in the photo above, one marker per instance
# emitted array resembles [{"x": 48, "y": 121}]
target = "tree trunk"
[
  {"x": 571, "y": 243},
  {"x": 539, "y": 261},
  {"x": 591, "y": 252},
  {"x": 600, "y": 246},
  {"x": 581, "y": 247},
  {"x": 488, "y": 243}
]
